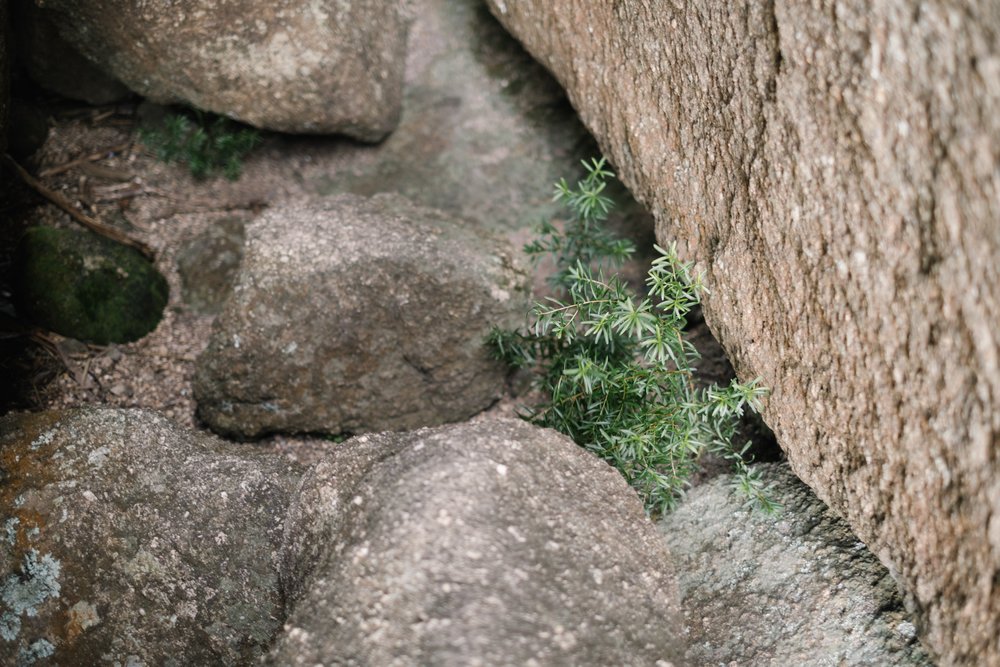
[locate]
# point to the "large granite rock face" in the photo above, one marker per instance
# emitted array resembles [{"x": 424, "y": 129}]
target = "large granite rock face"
[
  {"x": 833, "y": 168},
  {"x": 128, "y": 540},
  {"x": 354, "y": 314},
  {"x": 323, "y": 67},
  {"x": 494, "y": 543},
  {"x": 797, "y": 588}
]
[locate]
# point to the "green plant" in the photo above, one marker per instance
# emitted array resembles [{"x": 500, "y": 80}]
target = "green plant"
[
  {"x": 207, "y": 144},
  {"x": 615, "y": 370}
]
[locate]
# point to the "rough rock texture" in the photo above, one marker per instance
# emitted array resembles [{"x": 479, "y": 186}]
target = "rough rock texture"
[
  {"x": 489, "y": 543},
  {"x": 86, "y": 287},
  {"x": 55, "y": 65},
  {"x": 797, "y": 588},
  {"x": 208, "y": 265},
  {"x": 323, "y": 66},
  {"x": 127, "y": 540},
  {"x": 833, "y": 166},
  {"x": 354, "y": 314},
  {"x": 485, "y": 130}
]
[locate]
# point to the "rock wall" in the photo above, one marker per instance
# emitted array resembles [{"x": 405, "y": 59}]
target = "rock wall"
[{"x": 834, "y": 167}]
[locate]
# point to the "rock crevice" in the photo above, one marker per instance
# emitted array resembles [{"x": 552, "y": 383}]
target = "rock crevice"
[{"x": 833, "y": 168}]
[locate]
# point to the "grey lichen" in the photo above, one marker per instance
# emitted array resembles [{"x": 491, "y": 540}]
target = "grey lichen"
[
  {"x": 10, "y": 530},
  {"x": 35, "y": 652},
  {"x": 10, "y": 626},
  {"x": 22, "y": 593},
  {"x": 43, "y": 439}
]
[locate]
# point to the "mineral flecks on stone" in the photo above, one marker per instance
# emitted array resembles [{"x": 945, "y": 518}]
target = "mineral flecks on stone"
[
  {"x": 354, "y": 314},
  {"x": 491, "y": 543},
  {"x": 130, "y": 539},
  {"x": 317, "y": 67},
  {"x": 833, "y": 169}
]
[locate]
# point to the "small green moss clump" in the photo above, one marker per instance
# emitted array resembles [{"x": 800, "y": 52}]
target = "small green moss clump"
[
  {"x": 614, "y": 367},
  {"x": 87, "y": 287},
  {"x": 207, "y": 144}
]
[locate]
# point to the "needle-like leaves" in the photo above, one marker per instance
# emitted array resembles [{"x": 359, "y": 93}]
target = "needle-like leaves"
[{"x": 616, "y": 370}]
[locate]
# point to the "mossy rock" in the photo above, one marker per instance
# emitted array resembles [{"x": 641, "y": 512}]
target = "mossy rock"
[{"x": 87, "y": 287}]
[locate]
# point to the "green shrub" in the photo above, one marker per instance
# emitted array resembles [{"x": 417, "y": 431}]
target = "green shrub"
[
  {"x": 614, "y": 367},
  {"x": 207, "y": 144}
]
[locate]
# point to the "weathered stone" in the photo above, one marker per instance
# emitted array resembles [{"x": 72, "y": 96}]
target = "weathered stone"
[
  {"x": 87, "y": 287},
  {"x": 128, "y": 540},
  {"x": 291, "y": 66},
  {"x": 208, "y": 265},
  {"x": 353, "y": 314},
  {"x": 485, "y": 130},
  {"x": 489, "y": 543},
  {"x": 833, "y": 168},
  {"x": 55, "y": 65},
  {"x": 797, "y": 588}
]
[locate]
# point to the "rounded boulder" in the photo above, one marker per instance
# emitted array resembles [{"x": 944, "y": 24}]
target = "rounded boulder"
[{"x": 352, "y": 315}]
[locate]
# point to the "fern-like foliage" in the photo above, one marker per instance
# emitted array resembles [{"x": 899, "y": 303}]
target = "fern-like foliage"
[
  {"x": 616, "y": 371},
  {"x": 206, "y": 144}
]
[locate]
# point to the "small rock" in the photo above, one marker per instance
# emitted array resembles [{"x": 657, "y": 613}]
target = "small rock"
[
  {"x": 87, "y": 287},
  {"x": 354, "y": 314},
  {"x": 121, "y": 390}
]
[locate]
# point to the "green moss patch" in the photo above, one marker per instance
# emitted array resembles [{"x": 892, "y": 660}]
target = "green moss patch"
[{"x": 87, "y": 287}]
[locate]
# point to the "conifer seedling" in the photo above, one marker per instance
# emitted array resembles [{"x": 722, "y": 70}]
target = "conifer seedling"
[{"x": 614, "y": 367}]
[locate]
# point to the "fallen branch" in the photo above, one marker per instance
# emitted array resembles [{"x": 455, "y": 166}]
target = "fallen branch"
[
  {"x": 90, "y": 223},
  {"x": 66, "y": 166},
  {"x": 105, "y": 173},
  {"x": 115, "y": 195}
]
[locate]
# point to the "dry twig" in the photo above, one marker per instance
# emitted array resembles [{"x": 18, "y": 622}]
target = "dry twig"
[
  {"x": 66, "y": 166},
  {"x": 90, "y": 223}
]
